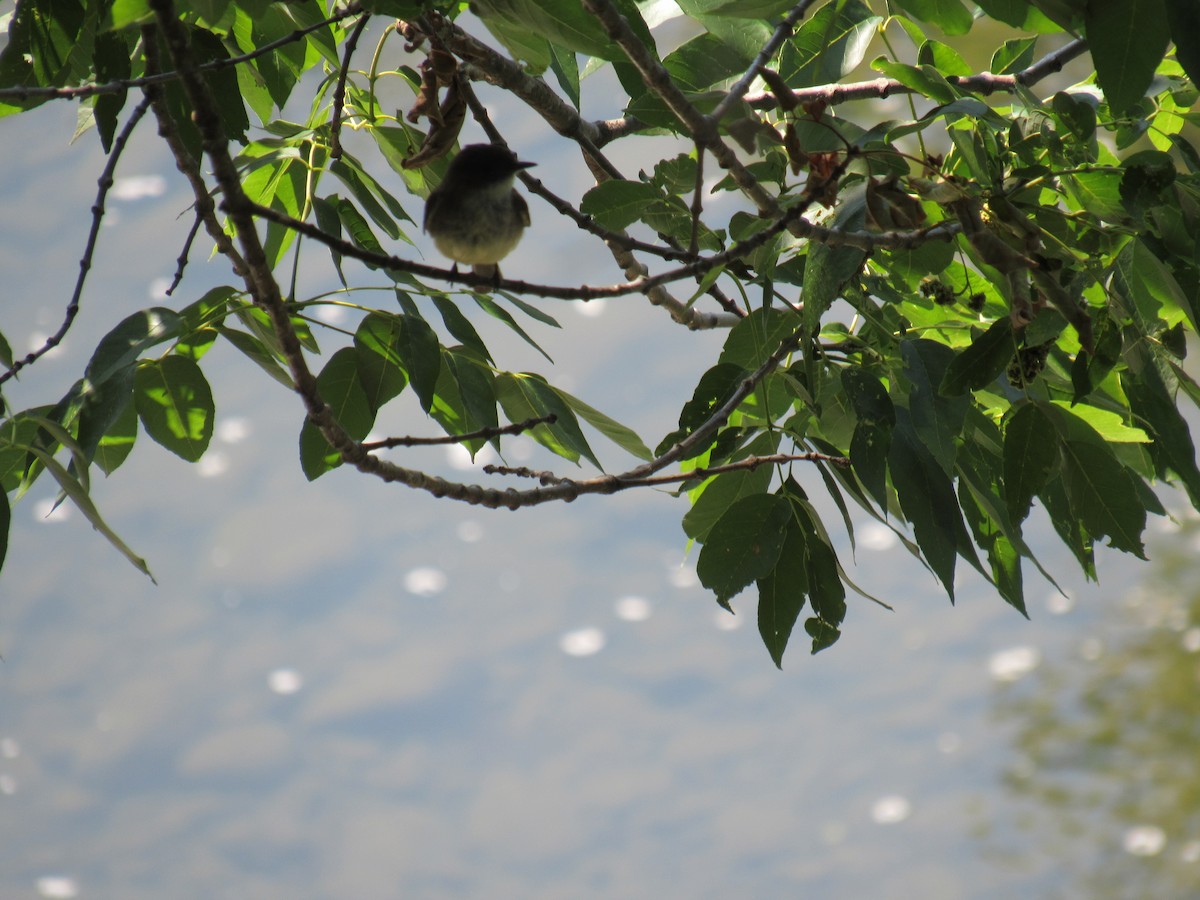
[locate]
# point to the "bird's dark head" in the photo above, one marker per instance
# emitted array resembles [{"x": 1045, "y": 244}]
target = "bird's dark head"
[{"x": 484, "y": 164}]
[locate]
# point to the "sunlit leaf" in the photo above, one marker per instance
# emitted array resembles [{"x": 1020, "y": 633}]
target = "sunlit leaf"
[{"x": 175, "y": 405}]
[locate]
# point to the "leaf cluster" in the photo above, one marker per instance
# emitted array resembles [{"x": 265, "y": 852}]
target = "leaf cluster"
[{"x": 964, "y": 297}]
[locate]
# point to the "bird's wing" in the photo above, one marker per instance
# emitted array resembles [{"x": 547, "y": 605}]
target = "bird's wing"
[
  {"x": 430, "y": 204},
  {"x": 521, "y": 207}
]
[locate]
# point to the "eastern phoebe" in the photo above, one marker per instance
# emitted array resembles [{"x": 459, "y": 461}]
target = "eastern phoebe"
[{"x": 476, "y": 215}]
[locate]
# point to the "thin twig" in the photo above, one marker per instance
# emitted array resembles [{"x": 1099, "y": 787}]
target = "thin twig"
[
  {"x": 182, "y": 261},
  {"x": 770, "y": 48},
  {"x": 339, "y": 94},
  {"x": 481, "y": 434},
  {"x": 85, "y": 263}
]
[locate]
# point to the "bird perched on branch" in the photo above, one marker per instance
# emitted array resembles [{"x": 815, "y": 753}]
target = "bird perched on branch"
[{"x": 475, "y": 215}]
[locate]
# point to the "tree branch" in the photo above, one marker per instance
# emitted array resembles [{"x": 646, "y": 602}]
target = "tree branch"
[
  {"x": 770, "y": 48},
  {"x": 85, "y": 263},
  {"x": 482, "y": 433}
]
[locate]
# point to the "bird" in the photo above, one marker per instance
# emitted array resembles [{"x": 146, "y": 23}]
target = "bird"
[{"x": 475, "y": 216}]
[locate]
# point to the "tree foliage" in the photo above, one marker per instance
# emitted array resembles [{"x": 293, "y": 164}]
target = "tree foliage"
[{"x": 966, "y": 295}]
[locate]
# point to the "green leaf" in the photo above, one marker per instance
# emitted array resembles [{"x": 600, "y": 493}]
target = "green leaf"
[
  {"x": 460, "y": 326},
  {"x": 83, "y": 502},
  {"x": 1128, "y": 39},
  {"x": 944, "y": 58},
  {"x": 103, "y": 405},
  {"x": 924, "y": 80},
  {"x": 718, "y": 494},
  {"x": 565, "y": 66},
  {"x": 258, "y": 352},
  {"x": 340, "y": 388},
  {"x": 1102, "y": 495},
  {"x": 476, "y": 391},
  {"x": 1003, "y": 557},
  {"x": 117, "y": 442},
  {"x": 357, "y": 181},
  {"x": 1099, "y": 193},
  {"x": 380, "y": 365},
  {"x": 824, "y": 634},
  {"x": 1151, "y": 399},
  {"x": 928, "y": 501},
  {"x": 418, "y": 348},
  {"x": 756, "y": 336},
  {"x": 1031, "y": 456},
  {"x": 702, "y": 63},
  {"x": 828, "y": 45},
  {"x": 781, "y": 594},
  {"x": 618, "y": 204},
  {"x": 1019, "y": 14},
  {"x": 493, "y": 309},
  {"x": 1183, "y": 19},
  {"x": 130, "y": 339},
  {"x": 937, "y": 419},
  {"x": 981, "y": 363},
  {"x": 624, "y": 437},
  {"x": 526, "y": 396},
  {"x": 715, "y": 388},
  {"x": 175, "y": 405},
  {"x": 744, "y": 545},
  {"x": 949, "y": 15},
  {"x": 827, "y": 269},
  {"x": 1149, "y": 288}
]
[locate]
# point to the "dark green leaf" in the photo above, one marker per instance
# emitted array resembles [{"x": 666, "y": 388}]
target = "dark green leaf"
[
  {"x": 1031, "y": 455},
  {"x": 257, "y": 351},
  {"x": 924, "y": 80},
  {"x": 1103, "y": 496},
  {"x": 977, "y": 366},
  {"x": 526, "y": 396},
  {"x": 757, "y": 336},
  {"x": 823, "y": 634},
  {"x": 175, "y": 405},
  {"x": 781, "y": 594},
  {"x": 1128, "y": 39},
  {"x": 937, "y": 419},
  {"x": 565, "y": 66},
  {"x": 618, "y": 204},
  {"x": 418, "y": 348},
  {"x": 130, "y": 339},
  {"x": 460, "y": 326},
  {"x": 720, "y": 493},
  {"x": 744, "y": 545},
  {"x": 488, "y": 305},
  {"x": 624, "y": 437},
  {"x": 1152, "y": 401},
  {"x": 927, "y": 498},
  {"x": 827, "y": 268},
  {"x": 1183, "y": 19}
]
